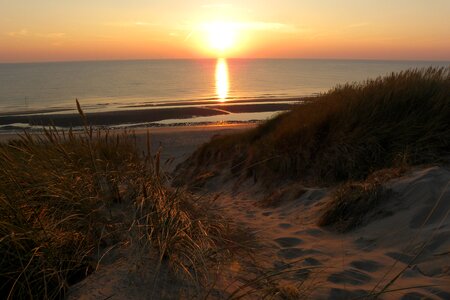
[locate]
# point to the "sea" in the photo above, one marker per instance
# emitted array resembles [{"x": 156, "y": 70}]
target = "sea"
[{"x": 35, "y": 88}]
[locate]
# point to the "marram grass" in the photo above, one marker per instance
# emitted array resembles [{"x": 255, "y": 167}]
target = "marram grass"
[
  {"x": 57, "y": 191},
  {"x": 344, "y": 134}
]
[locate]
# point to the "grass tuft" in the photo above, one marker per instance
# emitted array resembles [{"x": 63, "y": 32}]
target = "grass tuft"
[{"x": 351, "y": 204}]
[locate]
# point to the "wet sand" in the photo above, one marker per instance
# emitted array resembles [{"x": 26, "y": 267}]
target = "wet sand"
[{"x": 145, "y": 113}]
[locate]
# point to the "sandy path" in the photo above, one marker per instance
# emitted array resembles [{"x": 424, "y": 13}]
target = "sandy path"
[{"x": 346, "y": 266}]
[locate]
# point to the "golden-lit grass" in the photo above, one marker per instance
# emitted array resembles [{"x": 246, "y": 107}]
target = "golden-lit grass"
[
  {"x": 347, "y": 133},
  {"x": 187, "y": 232},
  {"x": 58, "y": 192},
  {"x": 54, "y": 191}
]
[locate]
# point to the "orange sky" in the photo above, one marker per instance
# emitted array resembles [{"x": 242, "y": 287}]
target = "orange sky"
[{"x": 49, "y": 30}]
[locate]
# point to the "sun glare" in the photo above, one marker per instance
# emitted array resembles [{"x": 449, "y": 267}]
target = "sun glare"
[
  {"x": 222, "y": 82},
  {"x": 221, "y": 35}
]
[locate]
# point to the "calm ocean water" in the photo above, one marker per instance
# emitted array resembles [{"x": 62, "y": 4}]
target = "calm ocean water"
[{"x": 117, "y": 84}]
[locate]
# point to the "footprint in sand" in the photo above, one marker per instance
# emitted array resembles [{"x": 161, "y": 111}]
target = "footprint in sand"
[
  {"x": 341, "y": 294},
  {"x": 291, "y": 253},
  {"x": 285, "y": 225},
  {"x": 310, "y": 261},
  {"x": 351, "y": 276},
  {"x": 366, "y": 265},
  {"x": 288, "y": 242},
  {"x": 365, "y": 244},
  {"x": 312, "y": 232}
]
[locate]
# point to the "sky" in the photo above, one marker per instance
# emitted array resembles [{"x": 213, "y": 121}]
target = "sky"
[{"x": 55, "y": 30}]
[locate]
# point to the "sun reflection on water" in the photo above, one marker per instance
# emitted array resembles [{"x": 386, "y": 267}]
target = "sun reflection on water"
[{"x": 222, "y": 82}]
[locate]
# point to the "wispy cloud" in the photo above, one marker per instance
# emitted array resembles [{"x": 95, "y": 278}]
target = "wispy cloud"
[
  {"x": 25, "y": 32},
  {"x": 55, "y": 37},
  {"x": 51, "y": 35},
  {"x": 254, "y": 26},
  {"x": 131, "y": 24},
  {"x": 22, "y": 32}
]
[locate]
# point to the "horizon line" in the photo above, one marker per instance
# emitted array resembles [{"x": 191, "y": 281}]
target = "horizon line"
[{"x": 229, "y": 58}]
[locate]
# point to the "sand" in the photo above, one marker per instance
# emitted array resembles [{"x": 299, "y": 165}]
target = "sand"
[
  {"x": 411, "y": 237},
  {"x": 145, "y": 113}
]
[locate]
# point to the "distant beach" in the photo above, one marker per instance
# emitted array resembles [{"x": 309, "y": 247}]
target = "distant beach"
[
  {"x": 171, "y": 92},
  {"x": 186, "y": 113}
]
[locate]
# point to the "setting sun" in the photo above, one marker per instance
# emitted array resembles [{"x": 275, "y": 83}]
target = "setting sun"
[{"x": 221, "y": 36}]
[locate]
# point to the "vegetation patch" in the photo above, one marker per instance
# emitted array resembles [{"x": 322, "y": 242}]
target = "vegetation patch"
[
  {"x": 345, "y": 134},
  {"x": 351, "y": 205},
  {"x": 59, "y": 197},
  {"x": 55, "y": 190}
]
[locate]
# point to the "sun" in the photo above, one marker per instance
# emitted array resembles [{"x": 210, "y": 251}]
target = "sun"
[{"x": 221, "y": 35}]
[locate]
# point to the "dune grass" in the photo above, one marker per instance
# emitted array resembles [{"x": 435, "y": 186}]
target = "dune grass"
[
  {"x": 58, "y": 195},
  {"x": 354, "y": 203},
  {"x": 351, "y": 203},
  {"x": 345, "y": 134},
  {"x": 54, "y": 191}
]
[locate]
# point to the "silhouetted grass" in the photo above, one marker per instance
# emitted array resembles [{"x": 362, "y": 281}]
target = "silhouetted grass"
[{"x": 345, "y": 134}]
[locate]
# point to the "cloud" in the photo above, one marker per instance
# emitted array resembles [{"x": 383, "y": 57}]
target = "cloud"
[
  {"x": 52, "y": 35},
  {"x": 131, "y": 24},
  {"x": 27, "y": 33},
  {"x": 22, "y": 32},
  {"x": 255, "y": 26},
  {"x": 54, "y": 38}
]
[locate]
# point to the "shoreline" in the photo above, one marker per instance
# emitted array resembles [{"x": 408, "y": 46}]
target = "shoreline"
[
  {"x": 245, "y": 111},
  {"x": 158, "y": 104}
]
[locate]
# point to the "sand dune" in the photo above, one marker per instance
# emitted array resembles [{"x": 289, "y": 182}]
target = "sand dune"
[
  {"x": 413, "y": 236},
  {"x": 408, "y": 235}
]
